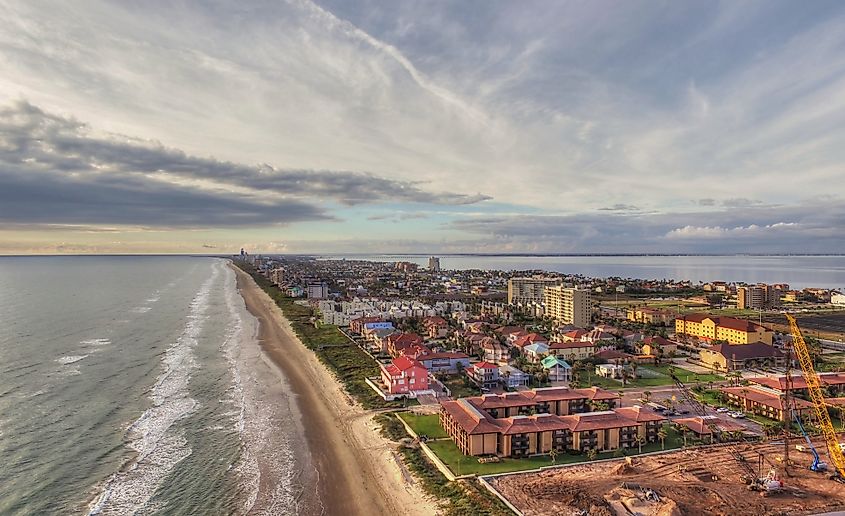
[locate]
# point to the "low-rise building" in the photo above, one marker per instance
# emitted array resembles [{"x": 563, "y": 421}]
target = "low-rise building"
[
  {"x": 483, "y": 374},
  {"x": 766, "y": 402},
  {"x": 535, "y": 352},
  {"x": 654, "y": 346},
  {"x": 655, "y": 316},
  {"x": 446, "y": 362},
  {"x": 703, "y": 426},
  {"x": 536, "y": 422},
  {"x": 559, "y": 370},
  {"x": 494, "y": 351},
  {"x": 728, "y": 329},
  {"x": 511, "y": 377},
  {"x": 572, "y": 351},
  {"x": 733, "y": 357},
  {"x": 404, "y": 375}
]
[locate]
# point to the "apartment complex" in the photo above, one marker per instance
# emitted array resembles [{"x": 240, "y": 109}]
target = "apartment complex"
[
  {"x": 529, "y": 290},
  {"x": 535, "y": 422},
  {"x": 757, "y": 296},
  {"x": 434, "y": 264},
  {"x": 729, "y": 329},
  {"x": 568, "y": 305},
  {"x": 647, "y": 315}
]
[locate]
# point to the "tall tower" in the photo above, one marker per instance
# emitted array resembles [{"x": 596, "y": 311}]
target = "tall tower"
[{"x": 434, "y": 264}]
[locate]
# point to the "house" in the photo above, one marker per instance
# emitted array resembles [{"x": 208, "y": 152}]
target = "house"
[
  {"x": 535, "y": 352},
  {"x": 494, "y": 351},
  {"x": 658, "y": 346},
  {"x": 404, "y": 375},
  {"x": 512, "y": 377},
  {"x": 378, "y": 338},
  {"x": 733, "y": 357},
  {"x": 572, "y": 351},
  {"x": 652, "y": 316},
  {"x": 559, "y": 370},
  {"x": 598, "y": 336},
  {"x": 436, "y": 327},
  {"x": 530, "y": 338},
  {"x": 447, "y": 362},
  {"x": 399, "y": 341},
  {"x": 484, "y": 374},
  {"x": 525, "y": 423},
  {"x": 573, "y": 335},
  {"x": 610, "y": 370}
]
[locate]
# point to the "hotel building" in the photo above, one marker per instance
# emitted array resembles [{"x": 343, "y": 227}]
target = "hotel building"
[
  {"x": 728, "y": 329},
  {"x": 529, "y": 290}
]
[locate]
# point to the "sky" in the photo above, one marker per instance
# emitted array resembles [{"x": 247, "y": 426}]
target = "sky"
[{"x": 422, "y": 127}]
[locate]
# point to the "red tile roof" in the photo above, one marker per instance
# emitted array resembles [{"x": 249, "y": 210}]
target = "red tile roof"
[
  {"x": 484, "y": 365},
  {"x": 640, "y": 414},
  {"x": 701, "y": 426}
]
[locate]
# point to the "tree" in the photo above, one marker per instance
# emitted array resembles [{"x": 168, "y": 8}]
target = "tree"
[
  {"x": 639, "y": 440},
  {"x": 591, "y": 454},
  {"x": 646, "y": 396},
  {"x": 661, "y": 434},
  {"x": 553, "y": 455},
  {"x": 634, "y": 367}
]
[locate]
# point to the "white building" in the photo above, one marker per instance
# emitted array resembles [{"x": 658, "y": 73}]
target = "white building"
[
  {"x": 837, "y": 298},
  {"x": 568, "y": 305}
]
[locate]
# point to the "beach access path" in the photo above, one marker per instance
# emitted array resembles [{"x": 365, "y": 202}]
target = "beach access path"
[{"x": 358, "y": 470}]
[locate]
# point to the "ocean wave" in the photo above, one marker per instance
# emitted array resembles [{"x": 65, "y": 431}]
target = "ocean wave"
[
  {"x": 158, "y": 446},
  {"x": 71, "y": 359},
  {"x": 140, "y": 309},
  {"x": 95, "y": 342},
  {"x": 259, "y": 434}
]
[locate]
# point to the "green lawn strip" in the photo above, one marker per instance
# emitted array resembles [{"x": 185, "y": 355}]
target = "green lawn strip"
[
  {"x": 461, "y": 464},
  {"x": 428, "y": 425},
  {"x": 347, "y": 361},
  {"x": 458, "y": 498},
  {"x": 460, "y": 387}
]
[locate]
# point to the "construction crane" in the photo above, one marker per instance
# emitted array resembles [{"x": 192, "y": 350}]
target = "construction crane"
[
  {"x": 818, "y": 465},
  {"x": 814, "y": 388}
]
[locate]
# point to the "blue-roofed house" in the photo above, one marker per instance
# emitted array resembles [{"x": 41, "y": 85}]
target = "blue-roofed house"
[
  {"x": 559, "y": 370},
  {"x": 535, "y": 352}
]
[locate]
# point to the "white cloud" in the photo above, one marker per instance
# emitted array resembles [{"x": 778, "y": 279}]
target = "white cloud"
[{"x": 718, "y": 232}]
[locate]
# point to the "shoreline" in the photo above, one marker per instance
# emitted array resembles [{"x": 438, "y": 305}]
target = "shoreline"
[{"x": 357, "y": 472}]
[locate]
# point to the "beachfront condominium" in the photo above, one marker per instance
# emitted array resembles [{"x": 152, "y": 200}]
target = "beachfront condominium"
[
  {"x": 568, "y": 305},
  {"x": 526, "y": 291}
]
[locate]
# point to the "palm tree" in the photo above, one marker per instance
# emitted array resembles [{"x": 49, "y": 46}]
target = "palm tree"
[
  {"x": 591, "y": 454},
  {"x": 684, "y": 430},
  {"x": 646, "y": 396},
  {"x": 634, "y": 367},
  {"x": 661, "y": 434},
  {"x": 621, "y": 393},
  {"x": 639, "y": 440}
]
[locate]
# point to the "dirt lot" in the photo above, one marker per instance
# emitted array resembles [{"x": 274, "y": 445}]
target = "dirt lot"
[{"x": 692, "y": 482}]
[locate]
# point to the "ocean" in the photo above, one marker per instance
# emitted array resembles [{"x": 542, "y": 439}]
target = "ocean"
[
  {"x": 798, "y": 271},
  {"x": 135, "y": 385}
]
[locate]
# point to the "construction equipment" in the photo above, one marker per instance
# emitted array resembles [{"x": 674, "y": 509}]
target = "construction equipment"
[
  {"x": 837, "y": 458},
  {"x": 818, "y": 465}
]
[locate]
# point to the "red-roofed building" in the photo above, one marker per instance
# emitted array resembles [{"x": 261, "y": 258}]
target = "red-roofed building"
[
  {"x": 530, "y": 338},
  {"x": 404, "y": 375},
  {"x": 529, "y": 422},
  {"x": 764, "y": 401},
  {"x": 399, "y": 341},
  {"x": 572, "y": 351},
  {"x": 436, "y": 327},
  {"x": 729, "y": 329},
  {"x": 484, "y": 374}
]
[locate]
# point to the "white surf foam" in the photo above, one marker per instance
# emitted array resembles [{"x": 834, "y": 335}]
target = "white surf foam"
[
  {"x": 140, "y": 309},
  {"x": 255, "y": 424},
  {"x": 71, "y": 359},
  {"x": 95, "y": 342},
  {"x": 159, "y": 447}
]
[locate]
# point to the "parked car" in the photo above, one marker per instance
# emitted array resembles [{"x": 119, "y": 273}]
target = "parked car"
[
  {"x": 684, "y": 411},
  {"x": 722, "y": 410},
  {"x": 801, "y": 447},
  {"x": 736, "y": 415}
]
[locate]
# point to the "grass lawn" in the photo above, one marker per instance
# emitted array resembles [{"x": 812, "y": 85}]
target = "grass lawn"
[
  {"x": 460, "y": 387},
  {"x": 685, "y": 376},
  {"x": 424, "y": 424},
  {"x": 461, "y": 464}
]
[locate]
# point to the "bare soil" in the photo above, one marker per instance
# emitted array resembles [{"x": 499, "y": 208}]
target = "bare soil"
[{"x": 704, "y": 481}]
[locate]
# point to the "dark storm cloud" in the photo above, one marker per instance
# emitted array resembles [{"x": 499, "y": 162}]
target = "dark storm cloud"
[
  {"x": 36, "y": 139},
  {"x": 42, "y": 197}
]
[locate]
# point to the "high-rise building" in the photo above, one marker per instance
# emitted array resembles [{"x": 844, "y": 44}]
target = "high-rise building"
[
  {"x": 568, "y": 305},
  {"x": 757, "y": 296},
  {"x": 526, "y": 291},
  {"x": 434, "y": 264}
]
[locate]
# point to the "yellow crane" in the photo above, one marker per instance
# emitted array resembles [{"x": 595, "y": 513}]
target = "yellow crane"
[{"x": 814, "y": 388}]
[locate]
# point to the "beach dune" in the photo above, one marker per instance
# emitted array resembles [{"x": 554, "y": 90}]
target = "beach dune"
[{"x": 358, "y": 471}]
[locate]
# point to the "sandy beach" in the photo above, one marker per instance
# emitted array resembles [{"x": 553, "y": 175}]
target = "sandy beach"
[{"x": 359, "y": 471}]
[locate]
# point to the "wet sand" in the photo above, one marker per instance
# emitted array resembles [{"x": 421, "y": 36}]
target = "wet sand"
[{"x": 357, "y": 471}]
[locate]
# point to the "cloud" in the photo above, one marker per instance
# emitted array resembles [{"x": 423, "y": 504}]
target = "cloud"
[
  {"x": 31, "y": 137},
  {"x": 620, "y": 207},
  {"x": 717, "y": 232}
]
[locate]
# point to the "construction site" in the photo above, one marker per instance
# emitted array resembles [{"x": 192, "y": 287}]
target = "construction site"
[
  {"x": 703, "y": 481},
  {"x": 726, "y": 479}
]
